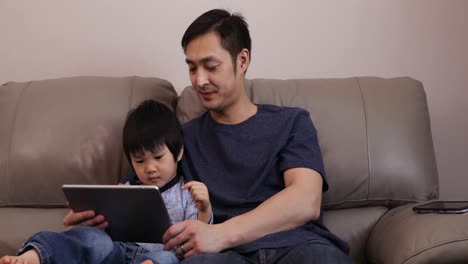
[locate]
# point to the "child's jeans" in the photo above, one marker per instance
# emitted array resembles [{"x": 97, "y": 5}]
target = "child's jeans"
[
  {"x": 158, "y": 257},
  {"x": 90, "y": 245}
]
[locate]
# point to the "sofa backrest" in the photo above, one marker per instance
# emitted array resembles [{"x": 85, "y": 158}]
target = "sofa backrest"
[
  {"x": 374, "y": 133},
  {"x": 66, "y": 130}
]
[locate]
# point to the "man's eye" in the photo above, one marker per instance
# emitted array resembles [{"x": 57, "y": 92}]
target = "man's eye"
[
  {"x": 212, "y": 68},
  {"x": 192, "y": 70}
]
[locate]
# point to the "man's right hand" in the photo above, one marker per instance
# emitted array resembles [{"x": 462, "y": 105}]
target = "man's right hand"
[{"x": 84, "y": 218}]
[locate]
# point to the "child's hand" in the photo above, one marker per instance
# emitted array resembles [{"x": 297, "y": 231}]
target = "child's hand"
[{"x": 200, "y": 195}]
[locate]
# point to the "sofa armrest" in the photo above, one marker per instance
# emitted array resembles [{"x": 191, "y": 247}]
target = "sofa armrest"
[{"x": 402, "y": 236}]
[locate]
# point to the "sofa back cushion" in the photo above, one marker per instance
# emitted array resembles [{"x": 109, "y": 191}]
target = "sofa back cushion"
[
  {"x": 66, "y": 130},
  {"x": 374, "y": 134}
]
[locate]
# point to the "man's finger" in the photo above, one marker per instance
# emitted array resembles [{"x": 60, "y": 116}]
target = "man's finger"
[{"x": 174, "y": 235}]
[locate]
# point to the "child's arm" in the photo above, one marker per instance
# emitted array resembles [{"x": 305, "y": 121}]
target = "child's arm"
[{"x": 200, "y": 195}]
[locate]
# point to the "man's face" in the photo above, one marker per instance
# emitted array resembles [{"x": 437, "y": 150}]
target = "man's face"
[{"x": 212, "y": 74}]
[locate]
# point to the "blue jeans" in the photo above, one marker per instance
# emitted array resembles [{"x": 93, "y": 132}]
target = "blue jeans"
[
  {"x": 158, "y": 257},
  {"x": 307, "y": 253},
  {"x": 90, "y": 245}
]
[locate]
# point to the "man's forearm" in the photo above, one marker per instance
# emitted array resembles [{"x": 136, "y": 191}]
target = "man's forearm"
[{"x": 294, "y": 206}]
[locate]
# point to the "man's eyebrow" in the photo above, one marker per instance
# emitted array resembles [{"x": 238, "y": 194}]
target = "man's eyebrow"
[{"x": 204, "y": 60}]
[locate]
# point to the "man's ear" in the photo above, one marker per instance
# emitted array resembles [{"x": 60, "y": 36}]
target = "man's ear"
[
  {"x": 180, "y": 154},
  {"x": 243, "y": 60}
]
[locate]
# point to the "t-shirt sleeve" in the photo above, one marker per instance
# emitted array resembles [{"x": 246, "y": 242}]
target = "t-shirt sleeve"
[
  {"x": 191, "y": 210},
  {"x": 302, "y": 149}
]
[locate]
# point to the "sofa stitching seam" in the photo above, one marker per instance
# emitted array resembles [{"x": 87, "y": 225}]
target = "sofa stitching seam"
[
  {"x": 367, "y": 137},
  {"x": 12, "y": 130},
  {"x": 130, "y": 99},
  {"x": 446, "y": 242}
]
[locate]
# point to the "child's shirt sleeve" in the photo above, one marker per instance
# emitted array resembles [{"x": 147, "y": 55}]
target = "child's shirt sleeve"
[{"x": 190, "y": 208}]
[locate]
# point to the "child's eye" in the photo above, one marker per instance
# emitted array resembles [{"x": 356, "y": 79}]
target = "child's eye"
[
  {"x": 138, "y": 161},
  {"x": 158, "y": 157}
]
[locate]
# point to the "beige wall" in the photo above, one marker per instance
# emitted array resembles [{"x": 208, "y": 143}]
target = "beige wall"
[{"x": 424, "y": 39}]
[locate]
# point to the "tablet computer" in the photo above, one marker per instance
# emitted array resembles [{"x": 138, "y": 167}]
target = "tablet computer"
[
  {"x": 443, "y": 207},
  {"x": 135, "y": 213}
]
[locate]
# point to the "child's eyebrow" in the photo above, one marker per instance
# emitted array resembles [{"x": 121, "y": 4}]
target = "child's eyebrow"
[
  {"x": 137, "y": 154},
  {"x": 158, "y": 152}
]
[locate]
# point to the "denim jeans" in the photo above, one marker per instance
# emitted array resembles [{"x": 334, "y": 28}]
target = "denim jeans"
[
  {"x": 90, "y": 245},
  {"x": 158, "y": 257},
  {"x": 310, "y": 252}
]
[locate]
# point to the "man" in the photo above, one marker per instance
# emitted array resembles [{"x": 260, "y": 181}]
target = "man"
[{"x": 266, "y": 197}]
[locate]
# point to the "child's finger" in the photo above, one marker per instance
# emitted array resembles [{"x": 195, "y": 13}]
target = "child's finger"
[{"x": 189, "y": 184}]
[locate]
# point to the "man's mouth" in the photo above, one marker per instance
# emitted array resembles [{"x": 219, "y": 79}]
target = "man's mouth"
[{"x": 207, "y": 94}]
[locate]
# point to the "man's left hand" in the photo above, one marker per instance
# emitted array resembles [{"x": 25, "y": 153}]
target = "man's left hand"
[{"x": 192, "y": 237}]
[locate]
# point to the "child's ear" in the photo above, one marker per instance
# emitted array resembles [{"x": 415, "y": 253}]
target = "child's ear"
[{"x": 180, "y": 154}]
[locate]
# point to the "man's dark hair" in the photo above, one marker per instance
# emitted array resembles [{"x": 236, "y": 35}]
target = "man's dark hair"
[
  {"x": 151, "y": 125},
  {"x": 231, "y": 28}
]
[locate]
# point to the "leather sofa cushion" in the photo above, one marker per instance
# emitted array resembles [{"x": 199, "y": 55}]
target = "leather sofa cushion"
[
  {"x": 405, "y": 237},
  {"x": 18, "y": 224},
  {"x": 354, "y": 226},
  {"x": 374, "y": 133},
  {"x": 66, "y": 130}
]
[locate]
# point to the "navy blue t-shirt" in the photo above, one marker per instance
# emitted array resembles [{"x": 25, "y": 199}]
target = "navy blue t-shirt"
[{"x": 242, "y": 165}]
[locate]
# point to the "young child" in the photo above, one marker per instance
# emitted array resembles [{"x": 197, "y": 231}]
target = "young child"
[{"x": 153, "y": 144}]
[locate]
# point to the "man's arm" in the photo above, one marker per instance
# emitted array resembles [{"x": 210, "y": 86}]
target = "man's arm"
[
  {"x": 302, "y": 197},
  {"x": 294, "y": 206}
]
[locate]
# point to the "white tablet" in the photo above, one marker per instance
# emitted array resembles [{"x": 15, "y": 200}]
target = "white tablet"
[{"x": 136, "y": 213}]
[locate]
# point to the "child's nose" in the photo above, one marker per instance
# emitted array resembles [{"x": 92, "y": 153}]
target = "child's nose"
[{"x": 150, "y": 168}]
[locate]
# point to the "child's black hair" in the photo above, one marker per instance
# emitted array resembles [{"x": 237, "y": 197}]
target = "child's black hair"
[{"x": 149, "y": 126}]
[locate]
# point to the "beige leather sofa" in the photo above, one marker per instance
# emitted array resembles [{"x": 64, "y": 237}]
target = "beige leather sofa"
[{"x": 374, "y": 133}]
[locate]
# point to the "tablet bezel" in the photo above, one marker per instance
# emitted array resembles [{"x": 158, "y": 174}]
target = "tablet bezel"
[{"x": 135, "y": 213}]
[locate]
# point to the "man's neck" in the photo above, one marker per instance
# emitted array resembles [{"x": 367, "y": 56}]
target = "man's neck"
[{"x": 238, "y": 113}]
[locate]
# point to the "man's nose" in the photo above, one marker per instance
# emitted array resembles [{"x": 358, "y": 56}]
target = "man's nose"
[{"x": 202, "y": 78}]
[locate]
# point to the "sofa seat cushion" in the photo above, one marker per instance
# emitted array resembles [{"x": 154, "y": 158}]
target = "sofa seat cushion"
[
  {"x": 18, "y": 224},
  {"x": 402, "y": 236},
  {"x": 354, "y": 226}
]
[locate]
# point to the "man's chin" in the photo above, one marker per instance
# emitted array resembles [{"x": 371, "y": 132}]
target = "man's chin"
[{"x": 211, "y": 106}]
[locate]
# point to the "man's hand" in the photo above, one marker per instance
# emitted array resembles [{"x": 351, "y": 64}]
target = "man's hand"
[
  {"x": 84, "y": 218},
  {"x": 200, "y": 196},
  {"x": 192, "y": 237}
]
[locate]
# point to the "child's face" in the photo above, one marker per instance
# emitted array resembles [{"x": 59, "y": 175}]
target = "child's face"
[{"x": 155, "y": 167}]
